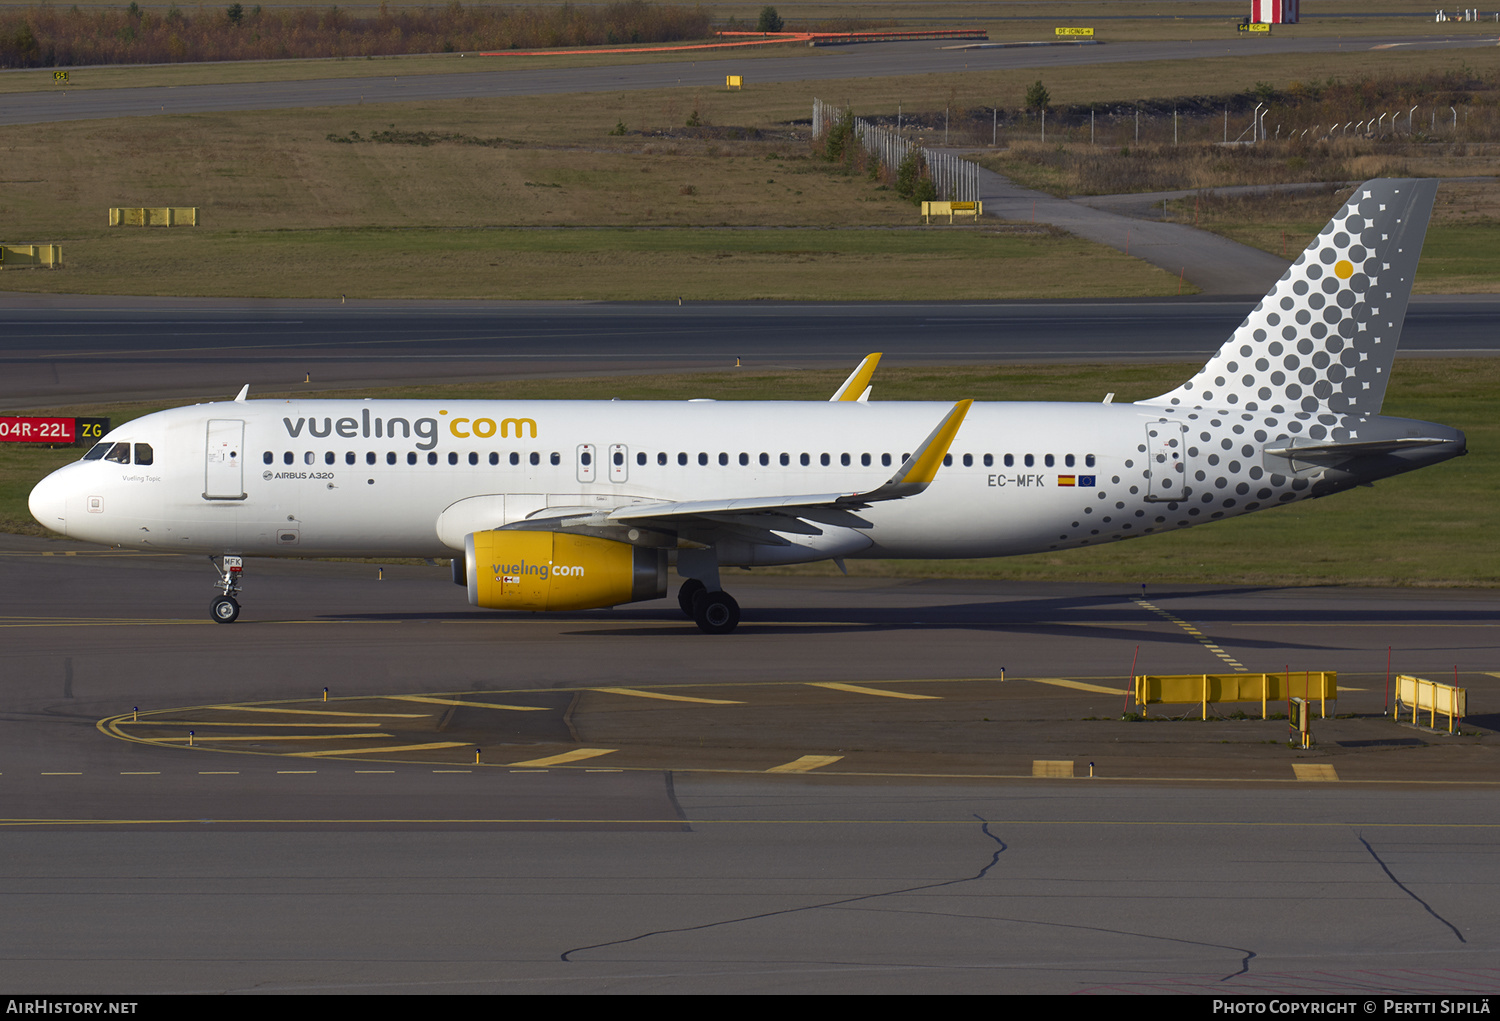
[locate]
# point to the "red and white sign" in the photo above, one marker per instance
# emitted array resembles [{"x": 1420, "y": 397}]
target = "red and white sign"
[
  {"x": 37, "y": 430},
  {"x": 1273, "y": 12}
]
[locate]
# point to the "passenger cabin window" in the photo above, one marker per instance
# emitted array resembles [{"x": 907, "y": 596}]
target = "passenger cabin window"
[{"x": 267, "y": 457}]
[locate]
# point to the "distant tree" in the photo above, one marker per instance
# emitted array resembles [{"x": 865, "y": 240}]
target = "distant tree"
[
  {"x": 769, "y": 21},
  {"x": 235, "y": 14},
  {"x": 1037, "y": 96}
]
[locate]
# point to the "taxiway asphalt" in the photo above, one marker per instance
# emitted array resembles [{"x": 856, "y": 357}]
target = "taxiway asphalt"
[{"x": 681, "y": 859}]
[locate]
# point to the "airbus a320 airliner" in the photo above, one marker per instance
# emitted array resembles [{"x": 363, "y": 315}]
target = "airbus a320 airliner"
[{"x": 567, "y": 505}]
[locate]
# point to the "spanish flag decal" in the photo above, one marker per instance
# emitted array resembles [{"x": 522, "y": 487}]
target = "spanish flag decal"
[{"x": 1067, "y": 480}]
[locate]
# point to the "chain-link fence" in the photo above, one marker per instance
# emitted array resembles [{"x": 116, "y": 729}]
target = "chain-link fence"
[{"x": 954, "y": 179}]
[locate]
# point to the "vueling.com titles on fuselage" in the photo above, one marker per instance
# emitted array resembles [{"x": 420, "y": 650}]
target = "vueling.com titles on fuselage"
[{"x": 425, "y": 429}]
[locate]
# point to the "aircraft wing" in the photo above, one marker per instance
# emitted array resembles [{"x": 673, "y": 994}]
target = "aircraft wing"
[{"x": 756, "y": 518}]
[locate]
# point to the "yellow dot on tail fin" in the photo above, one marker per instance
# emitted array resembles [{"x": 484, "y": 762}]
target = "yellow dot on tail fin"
[{"x": 1343, "y": 269}]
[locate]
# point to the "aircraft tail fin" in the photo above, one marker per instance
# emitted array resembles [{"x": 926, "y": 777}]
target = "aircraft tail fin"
[{"x": 1324, "y": 339}]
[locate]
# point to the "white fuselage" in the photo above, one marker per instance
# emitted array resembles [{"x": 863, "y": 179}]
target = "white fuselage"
[{"x": 329, "y": 478}]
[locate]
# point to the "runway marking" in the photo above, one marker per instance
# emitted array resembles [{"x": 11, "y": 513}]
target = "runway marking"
[
  {"x": 238, "y": 723},
  {"x": 433, "y": 746},
  {"x": 143, "y": 772},
  {"x": 664, "y": 697},
  {"x": 461, "y": 702},
  {"x": 1314, "y": 771},
  {"x": 805, "y": 764},
  {"x": 265, "y": 737},
  {"x": 861, "y": 690},
  {"x": 316, "y": 712},
  {"x": 218, "y": 772},
  {"x": 1202, "y": 639},
  {"x": 1062, "y": 682},
  {"x": 575, "y": 755},
  {"x": 62, "y": 774},
  {"x": 1052, "y": 767},
  {"x": 295, "y": 772},
  {"x": 1491, "y": 673}
]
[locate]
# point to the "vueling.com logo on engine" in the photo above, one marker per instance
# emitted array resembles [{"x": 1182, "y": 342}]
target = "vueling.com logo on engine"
[{"x": 513, "y": 573}]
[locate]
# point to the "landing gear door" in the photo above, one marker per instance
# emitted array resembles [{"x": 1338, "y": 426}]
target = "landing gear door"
[
  {"x": 1166, "y": 451},
  {"x": 224, "y": 472}
]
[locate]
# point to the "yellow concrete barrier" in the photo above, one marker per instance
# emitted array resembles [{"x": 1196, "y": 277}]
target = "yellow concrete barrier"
[
  {"x": 1185, "y": 689},
  {"x": 153, "y": 216},
  {"x": 950, "y": 210},
  {"x": 1419, "y": 694},
  {"x": 31, "y": 256},
  {"x": 734, "y": 81}
]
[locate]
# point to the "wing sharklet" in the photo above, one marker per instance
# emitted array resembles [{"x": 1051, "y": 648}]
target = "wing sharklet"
[{"x": 857, "y": 386}]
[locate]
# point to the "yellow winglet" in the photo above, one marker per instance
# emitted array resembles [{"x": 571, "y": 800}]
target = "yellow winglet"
[
  {"x": 859, "y": 380},
  {"x": 923, "y": 465}
]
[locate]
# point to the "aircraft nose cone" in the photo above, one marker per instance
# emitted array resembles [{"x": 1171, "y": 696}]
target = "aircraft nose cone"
[{"x": 49, "y": 503}]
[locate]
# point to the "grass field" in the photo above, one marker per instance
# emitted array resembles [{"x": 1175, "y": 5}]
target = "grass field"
[
  {"x": 321, "y": 202},
  {"x": 1426, "y": 528}
]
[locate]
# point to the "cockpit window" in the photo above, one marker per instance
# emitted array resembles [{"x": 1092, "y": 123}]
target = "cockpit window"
[
  {"x": 143, "y": 453},
  {"x": 98, "y": 451},
  {"x": 119, "y": 453}
]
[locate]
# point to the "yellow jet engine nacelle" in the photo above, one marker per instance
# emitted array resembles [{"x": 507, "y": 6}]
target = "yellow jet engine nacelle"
[{"x": 510, "y": 570}]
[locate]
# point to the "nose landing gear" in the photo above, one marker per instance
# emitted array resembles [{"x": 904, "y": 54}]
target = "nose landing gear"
[{"x": 225, "y": 609}]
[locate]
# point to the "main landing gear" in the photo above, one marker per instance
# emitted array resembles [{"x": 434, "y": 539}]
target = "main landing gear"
[
  {"x": 715, "y": 613},
  {"x": 225, "y": 609}
]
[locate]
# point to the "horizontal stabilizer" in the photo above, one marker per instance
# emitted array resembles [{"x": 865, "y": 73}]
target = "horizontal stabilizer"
[{"x": 1333, "y": 453}]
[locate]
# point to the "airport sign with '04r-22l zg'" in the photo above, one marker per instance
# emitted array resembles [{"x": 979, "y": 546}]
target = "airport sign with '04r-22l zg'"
[{"x": 17, "y": 429}]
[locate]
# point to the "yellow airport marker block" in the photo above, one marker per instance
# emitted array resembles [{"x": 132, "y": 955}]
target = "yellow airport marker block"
[
  {"x": 576, "y": 755},
  {"x": 859, "y": 690},
  {"x": 1062, "y": 682},
  {"x": 805, "y": 764},
  {"x": 1314, "y": 771},
  {"x": 665, "y": 697},
  {"x": 1052, "y": 767}
]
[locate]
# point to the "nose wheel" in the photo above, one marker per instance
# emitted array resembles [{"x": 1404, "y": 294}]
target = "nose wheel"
[{"x": 225, "y": 609}]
